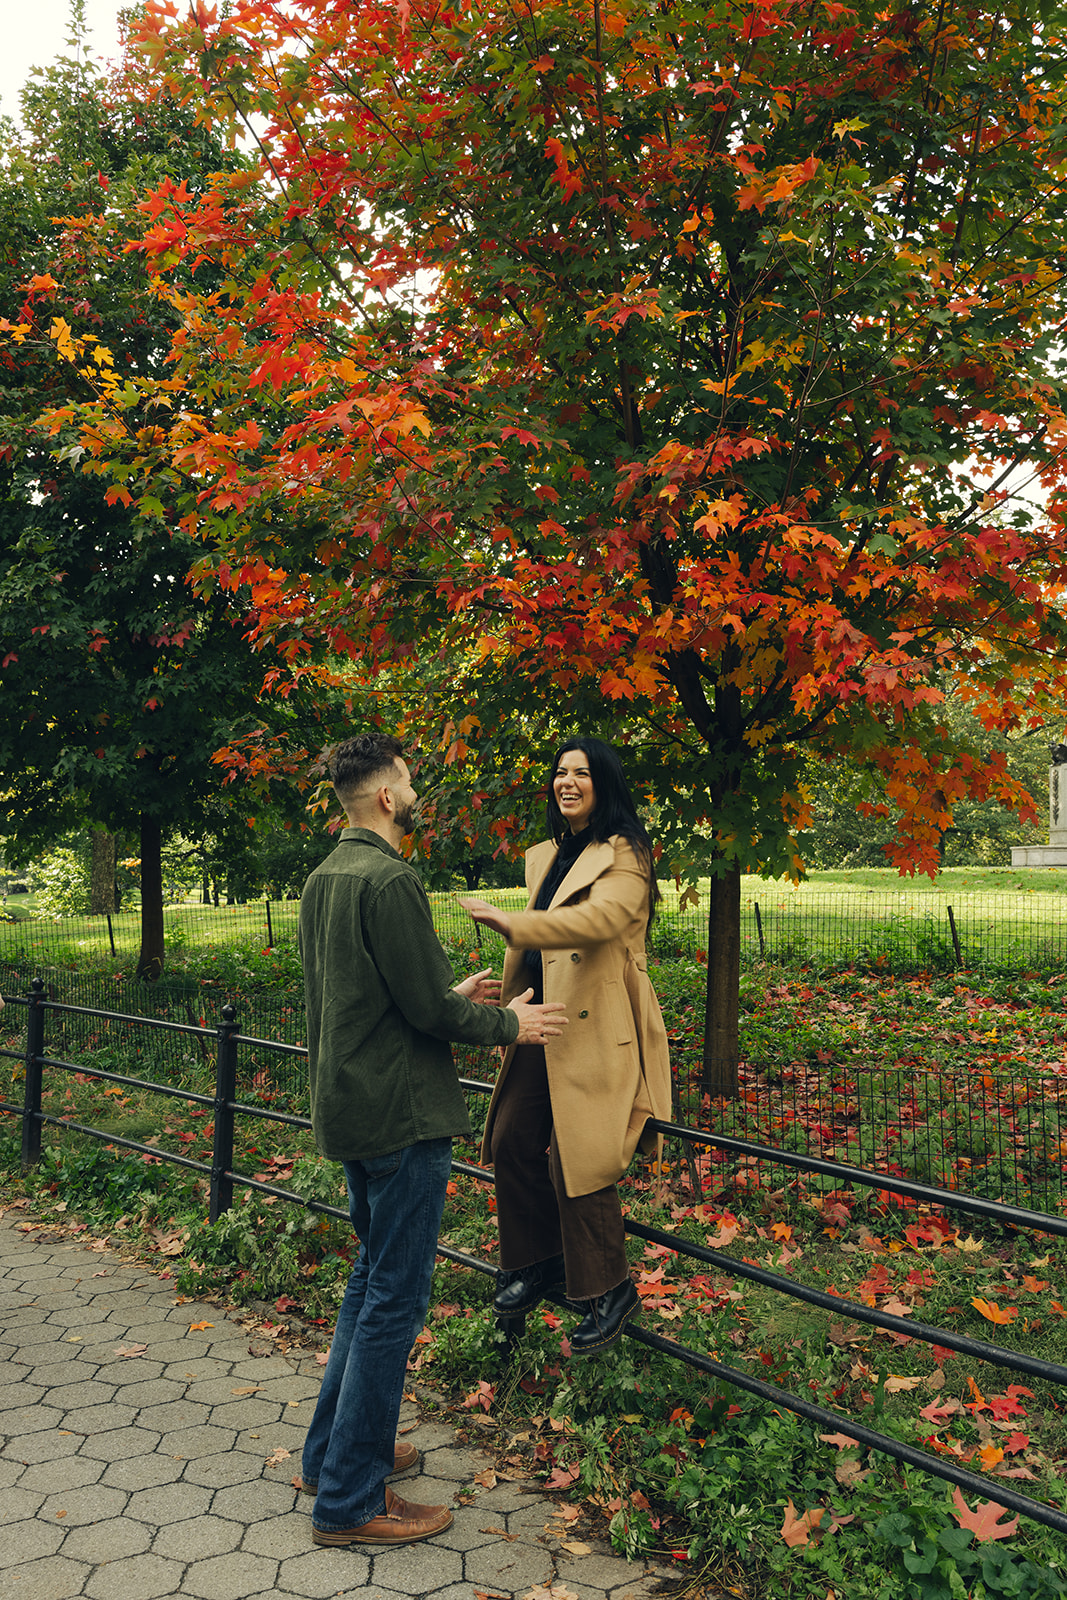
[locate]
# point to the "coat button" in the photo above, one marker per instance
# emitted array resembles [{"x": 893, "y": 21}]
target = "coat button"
[
  {"x": 583, "y": 1013},
  {"x": 576, "y": 957}
]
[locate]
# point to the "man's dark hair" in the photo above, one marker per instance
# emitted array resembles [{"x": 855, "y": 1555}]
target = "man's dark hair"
[{"x": 354, "y": 764}]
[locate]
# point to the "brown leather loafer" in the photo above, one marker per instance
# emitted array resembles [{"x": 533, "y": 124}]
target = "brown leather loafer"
[
  {"x": 405, "y": 1457},
  {"x": 402, "y": 1522}
]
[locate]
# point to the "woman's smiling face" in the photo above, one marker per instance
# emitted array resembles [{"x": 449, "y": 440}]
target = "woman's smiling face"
[{"x": 572, "y": 786}]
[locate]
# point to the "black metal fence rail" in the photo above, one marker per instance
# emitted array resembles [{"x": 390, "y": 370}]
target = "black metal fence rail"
[
  {"x": 910, "y": 930},
  {"x": 222, "y": 1178}
]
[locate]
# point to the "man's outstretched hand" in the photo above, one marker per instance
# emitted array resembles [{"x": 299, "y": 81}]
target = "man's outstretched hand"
[
  {"x": 538, "y": 1023},
  {"x": 481, "y": 987}
]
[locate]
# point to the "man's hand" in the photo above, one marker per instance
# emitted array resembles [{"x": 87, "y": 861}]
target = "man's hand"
[
  {"x": 483, "y": 912},
  {"x": 481, "y": 987},
  {"x": 537, "y": 1023}
]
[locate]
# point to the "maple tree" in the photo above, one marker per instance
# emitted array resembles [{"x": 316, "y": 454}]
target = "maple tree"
[{"x": 675, "y": 359}]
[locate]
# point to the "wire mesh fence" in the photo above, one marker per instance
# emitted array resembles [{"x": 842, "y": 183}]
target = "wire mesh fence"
[
  {"x": 909, "y": 931},
  {"x": 998, "y": 1132}
]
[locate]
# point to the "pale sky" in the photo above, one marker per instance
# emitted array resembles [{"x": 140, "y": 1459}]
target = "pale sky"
[{"x": 35, "y": 32}]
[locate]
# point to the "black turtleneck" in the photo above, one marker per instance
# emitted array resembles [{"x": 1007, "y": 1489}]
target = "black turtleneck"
[{"x": 570, "y": 848}]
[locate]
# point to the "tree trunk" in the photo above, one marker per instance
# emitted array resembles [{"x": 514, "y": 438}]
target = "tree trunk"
[
  {"x": 471, "y": 872},
  {"x": 102, "y": 873},
  {"x": 150, "y": 961},
  {"x": 724, "y": 985}
]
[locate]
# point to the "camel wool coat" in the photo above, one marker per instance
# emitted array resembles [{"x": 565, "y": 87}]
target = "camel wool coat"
[{"x": 609, "y": 1070}]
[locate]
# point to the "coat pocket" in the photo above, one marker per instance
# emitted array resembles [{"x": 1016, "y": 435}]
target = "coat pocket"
[{"x": 619, "y": 1013}]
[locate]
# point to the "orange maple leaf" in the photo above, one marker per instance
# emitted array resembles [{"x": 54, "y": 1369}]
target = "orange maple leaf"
[
  {"x": 983, "y": 1521},
  {"x": 993, "y": 1312},
  {"x": 195, "y": 1327}
]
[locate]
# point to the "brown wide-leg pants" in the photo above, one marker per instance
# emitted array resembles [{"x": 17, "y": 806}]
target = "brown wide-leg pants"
[{"x": 537, "y": 1217}]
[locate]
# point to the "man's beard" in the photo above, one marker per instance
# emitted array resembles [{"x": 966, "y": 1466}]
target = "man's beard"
[{"x": 405, "y": 817}]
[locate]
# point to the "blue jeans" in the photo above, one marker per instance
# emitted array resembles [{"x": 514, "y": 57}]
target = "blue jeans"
[{"x": 395, "y": 1203}]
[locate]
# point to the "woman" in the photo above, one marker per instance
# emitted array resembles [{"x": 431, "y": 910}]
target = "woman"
[{"x": 566, "y": 1117}]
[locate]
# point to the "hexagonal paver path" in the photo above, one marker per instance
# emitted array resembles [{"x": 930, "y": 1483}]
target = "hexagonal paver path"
[{"x": 148, "y": 1451}]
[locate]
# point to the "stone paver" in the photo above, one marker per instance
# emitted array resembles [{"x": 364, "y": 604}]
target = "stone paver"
[{"x": 159, "y": 1475}]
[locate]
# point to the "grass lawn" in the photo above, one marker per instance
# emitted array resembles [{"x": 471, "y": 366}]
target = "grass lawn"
[{"x": 1003, "y": 915}]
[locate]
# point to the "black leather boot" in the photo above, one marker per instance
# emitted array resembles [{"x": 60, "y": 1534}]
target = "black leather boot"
[
  {"x": 603, "y": 1323},
  {"x": 521, "y": 1289}
]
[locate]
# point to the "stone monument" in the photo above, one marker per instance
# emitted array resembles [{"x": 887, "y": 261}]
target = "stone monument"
[{"x": 1053, "y": 854}]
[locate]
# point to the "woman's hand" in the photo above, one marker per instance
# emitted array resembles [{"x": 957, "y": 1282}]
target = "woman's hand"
[
  {"x": 481, "y": 987},
  {"x": 483, "y": 912}
]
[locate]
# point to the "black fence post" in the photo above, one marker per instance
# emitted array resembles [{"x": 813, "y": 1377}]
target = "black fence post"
[
  {"x": 955, "y": 938},
  {"x": 270, "y": 930},
  {"x": 225, "y": 1094},
  {"x": 31, "y": 1100},
  {"x": 759, "y": 928}
]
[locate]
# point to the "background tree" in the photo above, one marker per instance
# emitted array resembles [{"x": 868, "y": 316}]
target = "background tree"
[
  {"x": 118, "y": 681},
  {"x": 675, "y": 357}
]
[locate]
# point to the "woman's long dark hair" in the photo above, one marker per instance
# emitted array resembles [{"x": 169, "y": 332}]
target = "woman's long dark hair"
[{"x": 614, "y": 811}]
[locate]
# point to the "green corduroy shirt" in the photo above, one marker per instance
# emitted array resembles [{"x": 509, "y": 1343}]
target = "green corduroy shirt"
[{"x": 380, "y": 1006}]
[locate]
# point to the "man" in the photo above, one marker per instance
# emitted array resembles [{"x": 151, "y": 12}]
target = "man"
[{"x": 385, "y": 1102}]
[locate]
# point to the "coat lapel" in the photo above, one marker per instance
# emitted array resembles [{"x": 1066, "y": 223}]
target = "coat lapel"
[{"x": 595, "y": 859}]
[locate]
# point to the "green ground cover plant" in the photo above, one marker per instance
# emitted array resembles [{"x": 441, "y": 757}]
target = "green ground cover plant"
[{"x": 847, "y": 1063}]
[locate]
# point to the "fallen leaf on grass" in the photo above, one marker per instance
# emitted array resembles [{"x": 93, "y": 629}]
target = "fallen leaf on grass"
[
  {"x": 993, "y": 1312},
  {"x": 894, "y": 1385},
  {"x": 841, "y": 1333},
  {"x": 797, "y": 1530},
  {"x": 169, "y": 1244},
  {"x": 940, "y": 1413},
  {"x": 983, "y": 1520},
  {"x": 727, "y": 1232}
]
